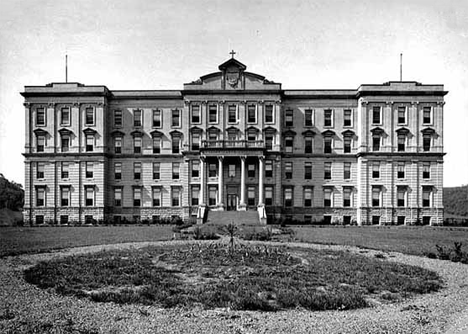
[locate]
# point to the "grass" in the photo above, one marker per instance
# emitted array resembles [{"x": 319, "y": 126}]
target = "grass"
[
  {"x": 242, "y": 278},
  {"x": 16, "y": 240},
  {"x": 409, "y": 240}
]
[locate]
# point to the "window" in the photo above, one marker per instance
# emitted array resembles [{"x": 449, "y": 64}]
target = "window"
[
  {"x": 327, "y": 170},
  {"x": 251, "y": 137},
  {"x": 376, "y": 142},
  {"x": 65, "y": 143},
  {"x": 89, "y": 143},
  {"x": 347, "y": 117},
  {"x": 65, "y": 170},
  {"x": 118, "y": 118},
  {"x": 89, "y": 196},
  {"x": 308, "y": 144},
  {"x": 327, "y": 197},
  {"x": 289, "y": 143},
  {"x": 137, "y": 142},
  {"x": 118, "y": 170},
  {"x": 40, "y": 170},
  {"x": 269, "y": 141},
  {"x": 376, "y": 169},
  {"x": 376, "y": 115},
  {"x": 175, "y": 144},
  {"x": 232, "y": 171},
  {"x": 40, "y": 143},
  {"x": 212, "y": 170},
  {"x": 401, "y": 142},
  {"x": 196, "y": 114},
  {"x": 40, "y": 196},
  {"x": 251, "y": 114},
  {"x": 156, "y": 145},
  {"x": 175, "y": 170},
  {"x": 268, "y": 113},
  {"x": 195, "y": 195},
  {"x": 426, "y": 174},
  {"x": 137, "y": 170},
  {"x": 232, "y": 113},
  {"x": 63, "y": 219},
  {"x": 308, "y": 117},
  {"x": 327, "y": 144},
  {"x": 212, "y": 194},
  {"x": 328, "y": 117},
  {"x": 40, "y": 117},
  {"x": 156, "y": 196},
  {"x": 251, "y": 196},
  {"x": 308, "y": 191},
  {"x": 288, "y": 168},
  {"x": 175, "y": 118},
  {"x": 426, "y": 196},
  {"x": 401, "y": 220},
  {"x": 65, "y": 116},
  {"x": 375, "y": 196},
  {"x": 156, "y": 170},
  {"x": 401, "y": 194},
  {"x": 137, "y": 196},
  {"x": 89, "y": 171},
  {"x": 89, "y": 220},
  {"x": 156, "y": 118},
  {"x": 401, "y": 170},
  {"x": 347, "y": 170},
  {"x": 213, "y": 113},
  {"x": 195, "y": 141},
  {"x": 347, "y": 140},
  {"x": 250, "y": 170},
  {"x": 426, "y": 142},
  {"x": 427, "y": 115},
  {"x": 347, "y": 191},
  {"x": 195, "y": 168},
  {"x": 268, "y": 195},
  {"x": 118, "y": 145},
  {"x": 288, "y": 118},
  {"x": 375, "y": 220},
  {"x": 268, "y": 168},
  {"x": 39, "y": 219},
  {"x": 175, "y": 196},
  {"x": 89, "y": 116},
  {"x": 137, "y": 118},
  {"x": 288, "y": 197},
  {"x": 117, "y": 196},
  {"x": 401, "y": 115},
  {"x": 308, "y": 171}
]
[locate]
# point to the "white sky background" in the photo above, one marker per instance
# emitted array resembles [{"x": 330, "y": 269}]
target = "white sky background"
[{"x": 302, "y": 44}]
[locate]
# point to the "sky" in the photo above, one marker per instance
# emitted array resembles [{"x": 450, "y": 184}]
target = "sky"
[{"x": 161, "y": 44}]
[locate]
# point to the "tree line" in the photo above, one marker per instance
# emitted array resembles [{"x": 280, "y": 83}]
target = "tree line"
[
  {"x": 11, "y": 194},
  {"x": 456, "y": 201}
]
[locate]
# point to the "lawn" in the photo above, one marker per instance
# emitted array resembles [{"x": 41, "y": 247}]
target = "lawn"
[
  {"x": 19, "y": 240},
  {"x": 408, "y": 240},
  {"x": 245, "y": 277}
]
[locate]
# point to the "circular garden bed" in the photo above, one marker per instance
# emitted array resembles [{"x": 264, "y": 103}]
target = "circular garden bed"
[{"x": 241, "y": 277}]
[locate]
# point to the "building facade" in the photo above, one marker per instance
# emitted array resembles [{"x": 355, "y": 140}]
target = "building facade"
[{"x": 235, "y": 141}]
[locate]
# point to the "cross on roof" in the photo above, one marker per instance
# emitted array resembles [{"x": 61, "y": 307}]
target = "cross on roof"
[{"x": 232, "y": 53}]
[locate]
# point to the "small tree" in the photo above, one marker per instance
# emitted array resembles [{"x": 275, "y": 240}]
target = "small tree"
[{"x": 231, "y": 229}]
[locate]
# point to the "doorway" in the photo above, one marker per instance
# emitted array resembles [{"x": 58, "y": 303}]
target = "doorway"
[{"x": 231, "y": 202}]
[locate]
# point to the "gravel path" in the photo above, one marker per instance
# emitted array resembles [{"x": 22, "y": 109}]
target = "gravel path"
[{"x": 25, "y": 307}]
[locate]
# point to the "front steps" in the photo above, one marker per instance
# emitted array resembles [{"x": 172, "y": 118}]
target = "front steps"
[{"x": 236, "y": 217}]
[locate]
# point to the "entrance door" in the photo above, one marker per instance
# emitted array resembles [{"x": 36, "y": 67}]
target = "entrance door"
[{"x": 231, "y": 202}]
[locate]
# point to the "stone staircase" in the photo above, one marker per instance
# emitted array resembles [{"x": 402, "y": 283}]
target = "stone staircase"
[{"x": 237, "y": 217}]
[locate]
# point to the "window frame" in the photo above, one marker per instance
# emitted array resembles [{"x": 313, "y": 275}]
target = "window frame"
[
  {"x": 289, "y": 117},
  {"x": 308, "y": 117},
  {"x": 347, "y": 202},
  {"x": 288, "y": 170},
  {"x": 210, "y": 110},
  {"x": 401, "y": 166},
  {"x": 268, "y": 168},
  {"x": 175, "y": 170},
  {"x": 175, "y": 200},
  {"x": 39, "y": 111},
  {"x": 156, "y": 170},
  {"x": 156, "y": 197},
  {"x": 137, "y": 118},
  {"x": 90, "y": 121},
  {"x": 376, "y": 169},
  {"x": 40, "y": 139},
  {"x": 327, "y": 170},
  {"x": 307, "y": 170},
  {"x": 404, "y": 117},
  {"x": 195, "y": 172},
  {"x": 137, "y": 197},
  {"x": 176, "y": 115},
  {"x": 118, "y": 192},
  {"x": 232, "y": 108},
  {"x": 193, "y": 117},
  {"x": 68, "y": 111},
  {"x": 376, "y": 200},
  {"x": 157, "y": 119},
  {"x": 118, "y": 143},
  {"x": 117, "y": 170},
  {"x": 41, "y": 197},
  {"x": 118, "y": 119},
  {"x": 288, "y": 197},
  {"x": 266, "y": 111},
  {"x": 137, "y": 170},
  {"x": 249, "y": 121},
  {"x": 90, "y": 201},
  {"x": 137, "y": 145},
  {"x": 40, "y": 170},
  {"x": 328, "y": 122},
  {"x": 308, "y": 192},
  {"x": 347, "y": 170},
  {"x": 89, "y": 169},
  {"x": 90, "y": 139},
  {"x": 431, "y": 116},
  {"x": 373, "y": 118},
  {"x": 345, "y": 119},
  {"x": 65, "y": 171}
]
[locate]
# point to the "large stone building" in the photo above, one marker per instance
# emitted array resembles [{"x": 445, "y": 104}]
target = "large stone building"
[{"x": 233, "y": 140}]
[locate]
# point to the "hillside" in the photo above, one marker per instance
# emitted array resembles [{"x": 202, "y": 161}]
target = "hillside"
[{"x": 456, "y": 201}]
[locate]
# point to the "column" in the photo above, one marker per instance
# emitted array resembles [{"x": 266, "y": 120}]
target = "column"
[
  {"x": 242, "y": 205},
  {"x": 220, "y": 181},
  {"x": 261, "y": 163},
  {"x": 202, "y": 181}
]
